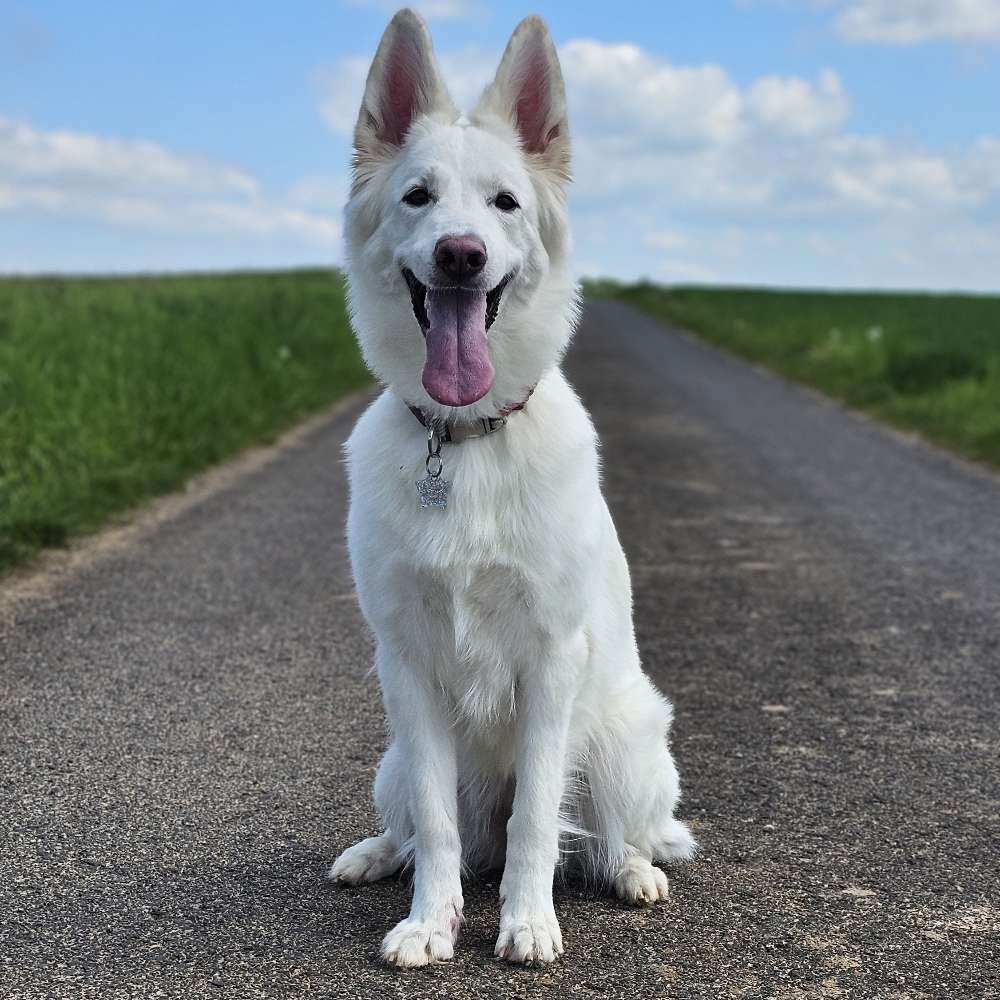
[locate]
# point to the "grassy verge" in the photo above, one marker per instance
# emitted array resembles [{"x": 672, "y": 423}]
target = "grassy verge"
[
  {"x": 113, "y": 390},
  {"x": 929, "y": 363}
]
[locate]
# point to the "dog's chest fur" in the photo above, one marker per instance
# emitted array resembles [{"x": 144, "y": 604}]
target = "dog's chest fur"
[{"x": 499, "y": 575}]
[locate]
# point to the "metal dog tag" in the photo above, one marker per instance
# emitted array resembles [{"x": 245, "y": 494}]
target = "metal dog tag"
[{"x": 433, "y": 489}]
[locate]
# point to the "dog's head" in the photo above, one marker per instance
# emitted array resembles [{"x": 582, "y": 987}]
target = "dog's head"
[{"x": 457, "y": 237}]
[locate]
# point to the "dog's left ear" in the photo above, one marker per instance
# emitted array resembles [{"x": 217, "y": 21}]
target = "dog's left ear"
[{"x": 528, "y": 93}]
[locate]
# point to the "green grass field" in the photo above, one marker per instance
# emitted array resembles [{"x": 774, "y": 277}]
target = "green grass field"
[
  {"x": 113, "y": 390},
  {"x": 929, "y": 363}
]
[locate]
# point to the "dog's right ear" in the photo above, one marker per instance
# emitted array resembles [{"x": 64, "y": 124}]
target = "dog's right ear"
[{"x": 403, "y": 83}]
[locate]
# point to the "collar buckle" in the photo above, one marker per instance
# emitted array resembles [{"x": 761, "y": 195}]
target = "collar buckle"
[{"x": 493, "y": 424}]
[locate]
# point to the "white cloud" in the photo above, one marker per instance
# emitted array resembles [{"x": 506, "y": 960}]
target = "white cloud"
[
  {"x": 630, "y": 93},
  {"x": 143, "y": 185},
  {"x": 908, "y": 22},
  {"x": 876, "y": 174},
  {"x": 905, "y": 22},
  {"x": 95, "y": 162},
  {"x": 789, "y": 105},
  {"x": 690, "y": 137},
  {"x": 630, "y": 102},
  {"x": 626, "y": 91}
]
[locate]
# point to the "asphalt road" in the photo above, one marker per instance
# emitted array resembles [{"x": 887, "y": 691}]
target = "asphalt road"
[{"x": 188, "y": 732}]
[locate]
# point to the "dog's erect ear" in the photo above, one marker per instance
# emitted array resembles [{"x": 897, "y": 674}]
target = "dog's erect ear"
[
  {"x": 528, "y": 92},
  {"x": 403, "y": 83}
]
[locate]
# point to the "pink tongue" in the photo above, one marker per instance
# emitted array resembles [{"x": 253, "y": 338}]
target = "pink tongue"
[{"x": 458, "y": 370}]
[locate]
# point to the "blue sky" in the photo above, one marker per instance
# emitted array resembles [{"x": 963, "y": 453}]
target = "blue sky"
[{"x": 786, "y": 142}]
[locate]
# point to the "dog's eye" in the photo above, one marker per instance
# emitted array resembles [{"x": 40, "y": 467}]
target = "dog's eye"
[
  {"x": 506, "y": 202},
  {"x": 417, "y": 197}
]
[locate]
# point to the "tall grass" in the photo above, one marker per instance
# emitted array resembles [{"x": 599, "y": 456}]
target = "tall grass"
[
  {"x": 929, "y": 363},
  {"x": 116, "y": 389}
]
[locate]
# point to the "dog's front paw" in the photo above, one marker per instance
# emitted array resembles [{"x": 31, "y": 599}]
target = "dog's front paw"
[
  {"x": 640, "y": 882},
  {"x": 412, "y": 943},
  {"x": 532, "y": 936},
  {"x": 415, "y": 941}
]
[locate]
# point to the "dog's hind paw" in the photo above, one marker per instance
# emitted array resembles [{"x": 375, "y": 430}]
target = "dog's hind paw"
[
  {"x": 640, "y": 882},
  {"x": 368, "y": 861}
]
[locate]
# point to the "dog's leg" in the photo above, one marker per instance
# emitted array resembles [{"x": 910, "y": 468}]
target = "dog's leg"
[
  {"x": 424, "y": 739},
  {"x": 529, "y": 930}
]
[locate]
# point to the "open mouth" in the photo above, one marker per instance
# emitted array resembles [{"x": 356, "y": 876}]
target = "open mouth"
[
  {"x": 418, "y": 297},
  {"x": 454, "y": 321}
]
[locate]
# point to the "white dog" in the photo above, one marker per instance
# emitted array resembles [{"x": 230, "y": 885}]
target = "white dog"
[{"x": 487, "y": 564}]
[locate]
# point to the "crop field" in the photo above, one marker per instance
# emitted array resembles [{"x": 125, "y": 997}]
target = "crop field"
[
  {"x": 113, "y": 390},
  {"x": 927, "y": 363}
]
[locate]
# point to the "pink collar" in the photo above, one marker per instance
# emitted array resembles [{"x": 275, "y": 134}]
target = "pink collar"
[{"x": 480, "y": 427}]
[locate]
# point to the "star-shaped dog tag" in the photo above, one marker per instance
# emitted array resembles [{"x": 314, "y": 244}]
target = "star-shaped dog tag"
[{"x": 433, "y": 492}]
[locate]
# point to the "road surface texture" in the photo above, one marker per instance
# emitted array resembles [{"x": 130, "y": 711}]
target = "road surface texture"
[{"x": 189, "y": 730}]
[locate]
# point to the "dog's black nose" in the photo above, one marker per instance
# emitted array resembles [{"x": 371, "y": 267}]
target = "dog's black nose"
[{"x": 460, "y": 257}]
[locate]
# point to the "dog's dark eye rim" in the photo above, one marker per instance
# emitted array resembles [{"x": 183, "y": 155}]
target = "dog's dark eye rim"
[
  {"x": 506, "y": 202},
  {"x": 417, "y": 197}
]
